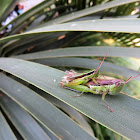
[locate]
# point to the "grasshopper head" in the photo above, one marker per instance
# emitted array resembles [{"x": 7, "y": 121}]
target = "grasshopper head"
[
  {"x": 116, "y": 88},
  {"x": 118, "y": 85}
]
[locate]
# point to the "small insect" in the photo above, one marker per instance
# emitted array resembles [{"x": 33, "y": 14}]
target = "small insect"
[
  {"x": 89, "y": 82},
  {"x": 104, "y": 86}
]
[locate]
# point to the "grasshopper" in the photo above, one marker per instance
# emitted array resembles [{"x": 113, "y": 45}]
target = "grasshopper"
[
  {"x": 104, "y": 86},
  {"x": 88, "y": 82},
  {"x": 73, "y": 78}
]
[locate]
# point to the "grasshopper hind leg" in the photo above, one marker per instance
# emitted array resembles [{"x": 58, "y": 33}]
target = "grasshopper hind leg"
[{"x": 81, "y": 93}]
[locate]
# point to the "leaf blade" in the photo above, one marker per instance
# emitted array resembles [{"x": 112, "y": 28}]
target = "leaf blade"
[
  {"x": 82, "y": 51},
  {"x": 112, "y": 25},
  {"x": 22, "y": 120},
  {"x": 20, "y": 19},
  {"x": 5, "y": 131},
  {"x": 89, "y": 11},
  {"x": 47, "y": 114},
  {"x": 89, "y": 64},
  {"x": 122, "y": 104}
]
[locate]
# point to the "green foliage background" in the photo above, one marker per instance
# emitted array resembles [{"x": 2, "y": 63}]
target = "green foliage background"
[{"x": 55, "y": 36}]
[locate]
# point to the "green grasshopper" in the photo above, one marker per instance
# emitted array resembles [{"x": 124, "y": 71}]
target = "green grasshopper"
[
  {"x": 88, "y": 82},
  {"x": 104, "y": 86},
  {"x": 73, "y": 78}
]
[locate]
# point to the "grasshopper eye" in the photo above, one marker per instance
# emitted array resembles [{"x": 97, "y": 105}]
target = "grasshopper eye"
[
  {"x": 117, "y": 84},
  {"x": 96, "y": 71}
]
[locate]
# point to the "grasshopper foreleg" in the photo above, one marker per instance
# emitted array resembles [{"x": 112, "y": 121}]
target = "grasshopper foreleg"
[
  {"x": 103, "y": 97},
  {"x": 78, "y": 95},
  {"x": 108, "y": 106}
]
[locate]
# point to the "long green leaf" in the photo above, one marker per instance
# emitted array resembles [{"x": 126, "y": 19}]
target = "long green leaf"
[
  {"x": 47, "y": 79},
  {"x": 74, "y": 114},
  {"x": 89, "y": 11},
  {"x": 43, "y": 111},
  {"x": 20, "y": 19},
  {"x": 6, "y": 6},
  {"x": 89, "y": 64},
  {"x": 29, "y": 41},
  {"x": 26, "y": 125},
  {"x": 5, "y": 131},
  {"x": 53, "y": 137},
  {"x": 37, "y": 43},
  {"x": 112, "y": 25},
  {"x": 82, "y": 51}
]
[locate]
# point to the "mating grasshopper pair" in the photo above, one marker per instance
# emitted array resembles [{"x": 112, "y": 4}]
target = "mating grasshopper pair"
[{"x": 89, "y": 82}]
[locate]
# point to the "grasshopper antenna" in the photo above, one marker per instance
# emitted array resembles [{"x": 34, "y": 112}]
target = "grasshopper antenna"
[
  {"x": 127, "y": 80},
  {"x": 102, "y": 61},
  {"x": 124, "y": 92},
  {"x": 130, "y": 78}
]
